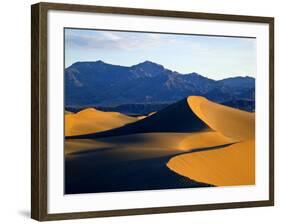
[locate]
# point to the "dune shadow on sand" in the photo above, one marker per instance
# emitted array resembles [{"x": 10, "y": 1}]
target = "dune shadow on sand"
[
  {"x": 106, "y": 171},
  {"x": 132, "y": 163},
  {"x": 177, "y": 117}
]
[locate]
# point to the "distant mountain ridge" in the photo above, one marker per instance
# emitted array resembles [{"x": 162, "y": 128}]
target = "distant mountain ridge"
[{"x": 98, "y": 84}]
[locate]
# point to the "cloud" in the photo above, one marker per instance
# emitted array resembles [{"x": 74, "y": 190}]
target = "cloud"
[
  {"x": 129, "y": 41},
  {"x": 109, "y": 35},
  {"x": 111, "y": 40}
]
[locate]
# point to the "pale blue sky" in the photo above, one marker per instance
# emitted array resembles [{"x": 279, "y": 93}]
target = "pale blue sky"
[{"x": 213, "y": 57}]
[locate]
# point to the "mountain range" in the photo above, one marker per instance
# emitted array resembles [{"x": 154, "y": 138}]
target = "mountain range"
[{"x": 147, "y": 87}]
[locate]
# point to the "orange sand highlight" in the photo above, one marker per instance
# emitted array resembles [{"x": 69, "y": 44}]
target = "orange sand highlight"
[
  {"x": 168, "y": 141},
  {"x": 223, "y": 166},
  {"x": 72, "y": 146},
  {"x": 91, "y": 120},
  {"x": 204, "y": 140},
  {"x": 232, "y": 165},
  {"x": 143, "y": 116},
  {"x": 233, "y": 123}
]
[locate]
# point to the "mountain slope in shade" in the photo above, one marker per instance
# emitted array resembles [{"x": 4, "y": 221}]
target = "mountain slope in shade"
[
  {"x": 247, "y": 105},
  {"x": 98, "y": 84}
]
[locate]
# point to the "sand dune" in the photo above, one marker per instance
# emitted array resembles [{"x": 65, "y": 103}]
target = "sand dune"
[
  {"x": 145, "y": 116},
  {"x": 196, "y": 114},
  {"x": 179, "y": 142},
  {"x": 122, "y": 169},
  {"x": 141, "y": 117},
  {"x": 177, "y": 117},
  {"x": 233, "y": 123},
  {"x": 132, "y": 162},
  {"x": 193, "y": 138},
  {"x": 232, "y": 165},
  {"x": 91, "y": 120}
]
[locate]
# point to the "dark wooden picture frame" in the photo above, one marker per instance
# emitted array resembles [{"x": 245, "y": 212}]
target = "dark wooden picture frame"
[{"x": 39, "y": 202}]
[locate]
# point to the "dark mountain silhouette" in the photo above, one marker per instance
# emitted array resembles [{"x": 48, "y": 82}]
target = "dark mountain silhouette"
[
  {"x": 129, "y": 109},
  {"x": 135, "y": 109},
  {"x": 98, "y": 84},
  {"x": 247, "y": 105}
]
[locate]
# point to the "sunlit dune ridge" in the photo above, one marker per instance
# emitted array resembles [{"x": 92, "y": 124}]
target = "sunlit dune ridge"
[
  {"x": 91, "y": 120},
  {"x": 177, "y": 118},
  {"x": 233, "y": 123},
  {"x": 145, "y": 116},
  {"x": 202, "y": 140},
  {"x": 230, "y": 165}
]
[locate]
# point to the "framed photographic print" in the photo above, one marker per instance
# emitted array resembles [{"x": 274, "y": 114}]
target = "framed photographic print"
[{"x": 139, "y": 111}]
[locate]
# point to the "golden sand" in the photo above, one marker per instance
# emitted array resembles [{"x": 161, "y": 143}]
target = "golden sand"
[
  {"x": 224, "y": 166},
  {"x": 232, "y": 165},
  {"x": 204, "y": 140},
  {"x": 233, "y": 123},
  {"x": 91, "y": 120},
  {"x": 143, "y": 116},
  {"x": 169, "y": 141}
]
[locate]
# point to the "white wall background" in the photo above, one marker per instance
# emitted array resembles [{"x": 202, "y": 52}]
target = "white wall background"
[{"x": 15, "y": 112}]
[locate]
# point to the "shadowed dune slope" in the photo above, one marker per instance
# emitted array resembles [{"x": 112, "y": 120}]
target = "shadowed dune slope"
[
  {"x": 191, "y": 143},
  {"x": 179, "y": 142},
  {"x": 131, "y": 162},
  {"x": 177, "y": 117},
  {"x": 233, "y": 123},
  {"x": 122, "y": 169},
  {"x": 232, "y": 165},
  {"x": 91, "y": 120}
]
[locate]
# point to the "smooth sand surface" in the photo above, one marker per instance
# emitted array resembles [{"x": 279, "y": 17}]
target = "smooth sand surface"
[
  {"x": 168, "y": 141},
  {"x": 81, "y": 145},
  {"x": 145, "y": 116},
  {"x": 228, "y": 166},
  {"x": 195, "y": 139},
  {"x": 233, "y": 123},
  {"x": 177, "y": 117},
  {"x": 91, "y": 121},
  {"x": 122, "y": 169},
  {"x": 133, "y": 162}
]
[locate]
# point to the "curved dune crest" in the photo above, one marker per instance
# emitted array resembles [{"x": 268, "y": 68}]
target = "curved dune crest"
[
  {"x": 204, "y": 140},
  {"x": 177, "y": 117},
  {"x": 145, "y": 116},
  {"x": 232, "y": 165},
  {"x": 91, "y": 121},
  {"x": 233, "y": 123}
]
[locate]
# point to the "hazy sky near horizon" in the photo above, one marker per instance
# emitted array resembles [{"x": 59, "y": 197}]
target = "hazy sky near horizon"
[{"x": 211, "y": 56}]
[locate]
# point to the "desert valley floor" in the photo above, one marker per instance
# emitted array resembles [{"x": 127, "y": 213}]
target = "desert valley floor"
[{"x": 192, "y": 143}]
